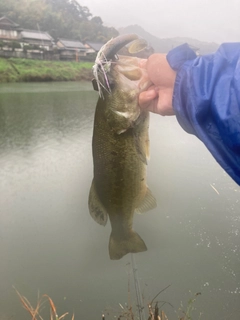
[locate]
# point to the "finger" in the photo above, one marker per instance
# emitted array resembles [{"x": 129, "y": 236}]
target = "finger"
[
  {"x": 146, "y": 97},
  {"x": 159, "y": 71},
  {"x": 164, "y": 104},
  {"x": 142, "y": 63}
]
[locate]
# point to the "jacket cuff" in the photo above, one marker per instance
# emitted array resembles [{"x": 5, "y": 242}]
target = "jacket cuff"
[{"x": 177, "y": 56}]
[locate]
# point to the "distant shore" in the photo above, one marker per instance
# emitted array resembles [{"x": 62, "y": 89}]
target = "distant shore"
[{"x": 26, "y": 70}]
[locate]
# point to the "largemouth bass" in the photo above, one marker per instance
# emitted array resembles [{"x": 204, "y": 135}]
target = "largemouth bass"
[{"x": 120, "y": 147}]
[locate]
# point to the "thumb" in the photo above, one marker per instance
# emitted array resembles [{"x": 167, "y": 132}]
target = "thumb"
[{"x": 146, "y": 97}]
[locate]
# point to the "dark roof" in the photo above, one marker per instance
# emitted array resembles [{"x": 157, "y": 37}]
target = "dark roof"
[
  {"x": 95, "y": 45},
  {"x": 33, "y": 34},
  {"x": 72, "y": 44},
  {"x": 8, "y": 23}
]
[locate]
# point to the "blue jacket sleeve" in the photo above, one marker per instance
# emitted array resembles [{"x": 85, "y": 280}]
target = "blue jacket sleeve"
[{"x": 206, "y": 100}]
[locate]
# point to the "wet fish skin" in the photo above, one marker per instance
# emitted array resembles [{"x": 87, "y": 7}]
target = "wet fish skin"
[{"x": 120, "y": 150}]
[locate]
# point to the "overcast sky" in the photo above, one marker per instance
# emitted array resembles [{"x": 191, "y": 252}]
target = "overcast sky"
[{"x": 206, "y": 20}]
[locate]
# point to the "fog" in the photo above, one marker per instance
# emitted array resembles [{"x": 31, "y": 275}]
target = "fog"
[{"x": 213, "y": 21}]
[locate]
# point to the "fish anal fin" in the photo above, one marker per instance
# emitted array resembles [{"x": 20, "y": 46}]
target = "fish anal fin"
[
  {"x": 96, "y": 209},
  {"x": 130, "y": 243},
  {"x": 148, "y": 203}
]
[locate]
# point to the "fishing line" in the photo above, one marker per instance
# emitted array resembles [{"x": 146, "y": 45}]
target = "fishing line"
[{"x": 140, "y": 305}]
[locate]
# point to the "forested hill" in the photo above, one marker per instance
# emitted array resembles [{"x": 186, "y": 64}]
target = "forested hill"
[{"x": 60, "y": 18}]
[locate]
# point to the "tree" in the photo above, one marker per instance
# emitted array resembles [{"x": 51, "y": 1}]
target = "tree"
[
  {"x": 97, "y": 20},
  {"x": 60, "y": 18}
]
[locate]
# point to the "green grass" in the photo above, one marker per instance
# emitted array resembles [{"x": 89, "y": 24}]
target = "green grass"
[
  {"x": 6, "y": 72},
  {"x": 24, "y": 70}
]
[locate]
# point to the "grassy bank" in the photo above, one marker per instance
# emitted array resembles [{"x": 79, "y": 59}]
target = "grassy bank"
[{"x": 24, "y": 70}]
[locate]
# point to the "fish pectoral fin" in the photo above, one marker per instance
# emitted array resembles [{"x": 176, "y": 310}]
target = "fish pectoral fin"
[
  {"x": 96, "y": 209},
  {"x": 148, "y": 203},
  {"x": 141, "y": 150},
  {"x": 147, "y": 146}
]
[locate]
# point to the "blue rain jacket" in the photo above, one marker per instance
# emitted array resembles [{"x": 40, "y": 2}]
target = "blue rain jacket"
[{"x": 206, "y": 100}]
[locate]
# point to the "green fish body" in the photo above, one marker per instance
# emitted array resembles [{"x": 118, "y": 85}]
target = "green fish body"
[{"x": 120, "y": 147}]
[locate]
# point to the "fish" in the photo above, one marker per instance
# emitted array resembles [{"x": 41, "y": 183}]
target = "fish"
[{"x": 120, "y": 147}]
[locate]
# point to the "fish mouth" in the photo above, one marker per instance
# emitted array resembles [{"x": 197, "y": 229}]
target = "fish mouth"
[
  {"x": 105, "y": 57},
  {"x": 110, "y": 49}
]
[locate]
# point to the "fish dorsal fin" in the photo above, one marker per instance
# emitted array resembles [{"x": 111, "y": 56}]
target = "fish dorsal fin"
[
  {"x": 96, "y": 209},
  {"x": 148, "y": 203}
]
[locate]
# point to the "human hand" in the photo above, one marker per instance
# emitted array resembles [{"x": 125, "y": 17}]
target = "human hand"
[{"x": 158, "y": 98}]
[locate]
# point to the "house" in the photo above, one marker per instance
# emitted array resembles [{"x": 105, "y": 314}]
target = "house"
[
  {"x": 37, "y": 39},
  {"x": 93, "y": 47},
  {"x": 71, "y": 49},
  {"x": 9, "y": 30}
]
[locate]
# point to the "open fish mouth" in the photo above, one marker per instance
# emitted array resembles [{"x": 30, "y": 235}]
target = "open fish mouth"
[{"x": 106, "y": 57}]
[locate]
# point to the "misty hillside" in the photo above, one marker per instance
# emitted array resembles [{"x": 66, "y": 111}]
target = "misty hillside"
[
  {"x": 60, "y": 18},
  {"x": 164, "y": 45}
]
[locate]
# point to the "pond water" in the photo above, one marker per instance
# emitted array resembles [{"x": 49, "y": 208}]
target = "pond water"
[{"x": 50, "y": 244}]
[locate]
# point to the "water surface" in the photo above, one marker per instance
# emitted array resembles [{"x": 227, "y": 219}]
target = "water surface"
[{"x": 50, "y": 244}]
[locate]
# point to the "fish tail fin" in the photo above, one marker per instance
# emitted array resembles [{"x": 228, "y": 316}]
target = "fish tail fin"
[{"x": 132, "y": 242}]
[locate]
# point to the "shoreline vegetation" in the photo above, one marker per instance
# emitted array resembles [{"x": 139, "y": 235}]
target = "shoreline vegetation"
[
  {"x": 127, "y": 312},
  {"x": 133, "y": 309},
  {"x": 27, "y": 70}
]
